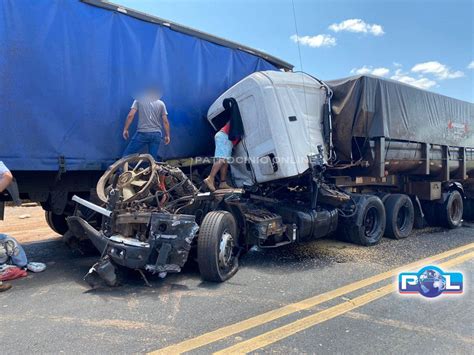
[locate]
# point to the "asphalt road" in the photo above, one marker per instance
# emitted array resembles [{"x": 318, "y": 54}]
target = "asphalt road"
[{"x": 323, "y": 297}]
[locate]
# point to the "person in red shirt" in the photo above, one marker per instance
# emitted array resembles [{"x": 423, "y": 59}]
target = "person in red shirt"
[{"x": 222, "y": 155}]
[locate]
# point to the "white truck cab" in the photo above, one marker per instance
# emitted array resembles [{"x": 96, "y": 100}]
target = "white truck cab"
[{"x": 282, "y": 115}]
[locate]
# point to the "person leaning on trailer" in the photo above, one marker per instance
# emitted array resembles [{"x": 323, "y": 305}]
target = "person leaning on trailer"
[{"x": 6, "y": 178}]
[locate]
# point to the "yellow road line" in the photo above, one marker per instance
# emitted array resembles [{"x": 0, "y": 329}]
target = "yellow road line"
[
  {"x": 272, "y": 315},
  {"x": 320, "y": 317},
  {"x": 407, "y": 326}
]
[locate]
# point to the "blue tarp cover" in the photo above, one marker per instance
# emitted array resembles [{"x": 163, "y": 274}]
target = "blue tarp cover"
[{"x": 69, "y": 72}]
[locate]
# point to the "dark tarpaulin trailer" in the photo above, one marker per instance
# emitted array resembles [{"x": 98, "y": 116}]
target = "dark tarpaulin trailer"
[{"x": 366, "y": 107}]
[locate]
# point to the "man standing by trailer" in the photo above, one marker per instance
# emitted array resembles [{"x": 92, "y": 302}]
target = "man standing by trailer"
[
  {"x": 6, "y": 178},
  {"x": 152, "y": 121}
]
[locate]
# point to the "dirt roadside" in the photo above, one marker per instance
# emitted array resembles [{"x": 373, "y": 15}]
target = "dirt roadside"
[{"x": 26, "y": 224}]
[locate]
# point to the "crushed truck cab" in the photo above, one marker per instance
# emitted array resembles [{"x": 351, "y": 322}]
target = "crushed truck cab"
[{"x": 282, "y": 115}]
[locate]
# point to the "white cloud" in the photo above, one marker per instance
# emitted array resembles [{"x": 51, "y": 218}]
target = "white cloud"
[
  {"x": 369, "y": 70},
  {"x": 470, "y": 65},
  {"x": 361, "y": 71},
  {"x": 439, "y": 70},
  {"x": 357, "y": 25},
  {"x": 381, "y": 71},
  {"x": 423, "y": 75},
  {"x": 315, "y": 41},
  {"x": 420, "y": 82}
]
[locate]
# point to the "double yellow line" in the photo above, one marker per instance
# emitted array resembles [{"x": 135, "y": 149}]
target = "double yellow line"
[{"x": 319, "y": 317}]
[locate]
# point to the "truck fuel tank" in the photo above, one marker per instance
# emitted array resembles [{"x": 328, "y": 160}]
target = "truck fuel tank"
[{"x": 311, "y": 224}]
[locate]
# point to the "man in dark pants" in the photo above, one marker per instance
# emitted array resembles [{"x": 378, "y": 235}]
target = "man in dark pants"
[
  {"x": 6, "y": 178},
  {"x": 152, "y": 121}
]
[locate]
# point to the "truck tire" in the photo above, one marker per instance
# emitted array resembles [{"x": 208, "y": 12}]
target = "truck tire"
[
  {"x": 217, "y": 249},
  {"x": 57, "y": 222},
  {"x": 451, "y": 210},
  {"x": 400, "y": 216},
  {"x": 368, "y": 225}
]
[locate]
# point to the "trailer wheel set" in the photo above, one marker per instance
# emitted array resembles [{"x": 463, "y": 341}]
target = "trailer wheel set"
[{"x": 395, "y": 217}]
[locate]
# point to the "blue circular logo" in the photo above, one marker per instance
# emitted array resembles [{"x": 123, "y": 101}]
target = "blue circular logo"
[{"x": 431, "y": 283}]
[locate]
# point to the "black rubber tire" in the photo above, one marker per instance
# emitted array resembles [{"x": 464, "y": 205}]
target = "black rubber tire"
[
  {"x": 57, "y": 222},
  {"x": 212, "y": 228},
  {"x": 400, "y": 215},
  {"x": 451, "y": 210},
  {"x": 355, "y": 228}
]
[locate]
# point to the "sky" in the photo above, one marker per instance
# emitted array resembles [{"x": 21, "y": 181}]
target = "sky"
[{"x": 426, "y": 43}]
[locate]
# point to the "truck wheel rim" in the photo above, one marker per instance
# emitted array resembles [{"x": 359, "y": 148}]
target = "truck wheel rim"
[
  {"x": 226, "y": 250},
  {"x": 370, "y": 221}
]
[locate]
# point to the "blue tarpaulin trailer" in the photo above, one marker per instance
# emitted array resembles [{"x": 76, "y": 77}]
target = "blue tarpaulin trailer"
[{"x": 69, "y": 71}]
